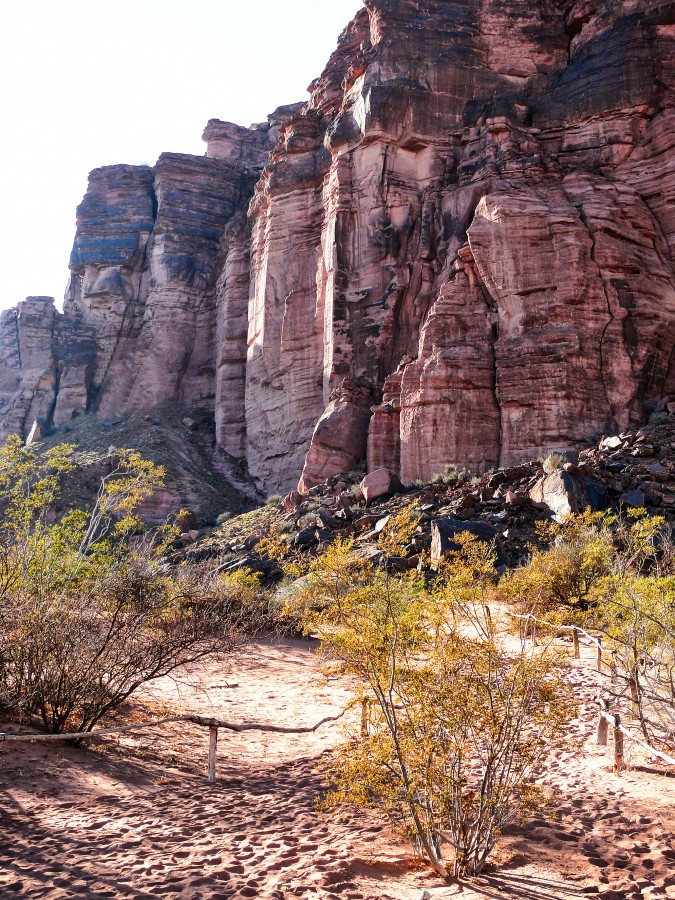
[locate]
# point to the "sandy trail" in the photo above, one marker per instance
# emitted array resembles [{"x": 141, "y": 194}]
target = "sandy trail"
[{"x": 136, "y": 817}]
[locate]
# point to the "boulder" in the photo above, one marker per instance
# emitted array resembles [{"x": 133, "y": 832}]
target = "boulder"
[
  {"x": 293, "y": 500},
  {"x": 305, "y": 539},
  {"x": 365, "y": 522},
  {"x": 445, "y": 531},
  {"x": 339, "y": 440},
  {"x": 564, "y": 493},
  {"x": 635, "y": 499},
  {"x": 380, "y": 483}
]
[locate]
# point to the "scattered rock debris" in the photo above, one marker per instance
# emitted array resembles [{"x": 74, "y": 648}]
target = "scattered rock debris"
[{"x": 635, "y": 469}]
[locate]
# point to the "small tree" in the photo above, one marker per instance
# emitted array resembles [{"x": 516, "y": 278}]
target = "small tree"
[
  {"x": 615, "y": 575},
  {"x": 88, "y": 610},
  {"x": 460, "y": 725},
  {"x": 636, "y": 615}
]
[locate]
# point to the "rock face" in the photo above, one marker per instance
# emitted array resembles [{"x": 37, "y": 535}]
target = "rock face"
[{"x": 460, "y": 250}]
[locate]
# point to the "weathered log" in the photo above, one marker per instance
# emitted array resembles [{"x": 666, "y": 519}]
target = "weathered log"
[
  {"x": 257, "y": 726},
  {"x": 203, "y": 721}
]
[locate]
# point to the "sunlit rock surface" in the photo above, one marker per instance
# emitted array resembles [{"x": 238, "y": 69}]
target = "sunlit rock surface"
[{"x": 459, "y": 250}]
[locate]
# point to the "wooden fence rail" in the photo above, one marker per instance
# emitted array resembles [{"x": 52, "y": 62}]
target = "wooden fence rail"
[
  {"x": 606, "y": 718},
  {"x": 202, "y": 721},
  {"x": 575, "y": 629}
]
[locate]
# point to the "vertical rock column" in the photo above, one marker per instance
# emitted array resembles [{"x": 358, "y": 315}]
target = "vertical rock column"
[
  {"x": 284, "y": 390},
  {"x": 28, "y": 375}
]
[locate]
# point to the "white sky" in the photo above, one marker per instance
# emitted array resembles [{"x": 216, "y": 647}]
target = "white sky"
[{"x": 86, "y": 83}]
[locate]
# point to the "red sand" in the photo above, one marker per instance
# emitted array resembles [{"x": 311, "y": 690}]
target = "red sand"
[{"x": 136, "y": 816}]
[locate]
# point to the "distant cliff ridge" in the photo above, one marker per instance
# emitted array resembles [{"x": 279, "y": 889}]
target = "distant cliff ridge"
[{"x": 459, "y": 250}]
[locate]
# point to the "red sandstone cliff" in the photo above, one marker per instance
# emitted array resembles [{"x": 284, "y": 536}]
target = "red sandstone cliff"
[{"x": 460, "y": 250}]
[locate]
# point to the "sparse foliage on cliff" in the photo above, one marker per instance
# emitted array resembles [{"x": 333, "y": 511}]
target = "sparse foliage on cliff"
[{"x": 87, "y": 611}]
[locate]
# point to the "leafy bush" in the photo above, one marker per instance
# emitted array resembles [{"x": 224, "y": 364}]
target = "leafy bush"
[
  {"x": 460, "y": 726},
  {"x": 615, "y": 576},
  {"x": 451, "y": 474},
  {"x": 185, "y": 520},
  {"x": 88, "y": 611},
  {"x": 563, "y": 577}
]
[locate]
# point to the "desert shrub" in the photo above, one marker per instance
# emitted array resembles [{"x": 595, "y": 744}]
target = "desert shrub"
[
  {"x": 636, "y": 615},
  {"x": 308, "y": 521},
  {"x": 223, "y": 518},
  {"x": 274, "y": 500},
  {"x": 615, "y": 576},
  {"x": 88, "y": 610},
  {"x": 451, "y": 474},
  {"x": 399, "y": 530},
  {"x": 459, "y": 726},
  {"x": 415, "y": 485},
  {"x": 273, "y": 546},
  {"x": 185, "y": 520},
  {"x": 563, "y": 576},
  {"x": 635, "y": 612}
]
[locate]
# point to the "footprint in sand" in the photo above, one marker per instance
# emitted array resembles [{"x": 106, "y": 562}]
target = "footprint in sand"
[{"x": 598, "y": 861}]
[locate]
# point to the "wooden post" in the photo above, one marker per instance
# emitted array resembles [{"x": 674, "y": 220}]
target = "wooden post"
[
  {"x": 634, "y": 695},
  {"x": 599, "y": 654},
  {"x": 575, "y": 640},
  {"x": 365, "y": 717},
  {"x": 531, "y": 630},
  {"x": 615, "y": 671},
  {"x": 618, "y": 745},
  {"x": 603, "y": 724},
  {"x": 213, "y": 743}
]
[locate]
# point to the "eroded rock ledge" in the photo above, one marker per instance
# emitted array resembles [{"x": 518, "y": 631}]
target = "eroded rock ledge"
[{"x": 459, "y": 250}]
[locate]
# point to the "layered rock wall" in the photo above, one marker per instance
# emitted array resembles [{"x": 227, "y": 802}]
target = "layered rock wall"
[{"x": 460, "y": 250}]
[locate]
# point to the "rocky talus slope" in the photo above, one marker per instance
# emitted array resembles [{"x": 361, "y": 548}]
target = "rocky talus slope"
[
  {"x": 624, "y": 473},
  {"x": 459, "y": 250}
]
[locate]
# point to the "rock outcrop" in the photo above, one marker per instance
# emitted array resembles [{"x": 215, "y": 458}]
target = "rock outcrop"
[{"x": 459, "y": 250}]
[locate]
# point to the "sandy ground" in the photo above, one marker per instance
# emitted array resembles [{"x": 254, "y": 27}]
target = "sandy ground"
[{"x": 136, "y": 817}]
